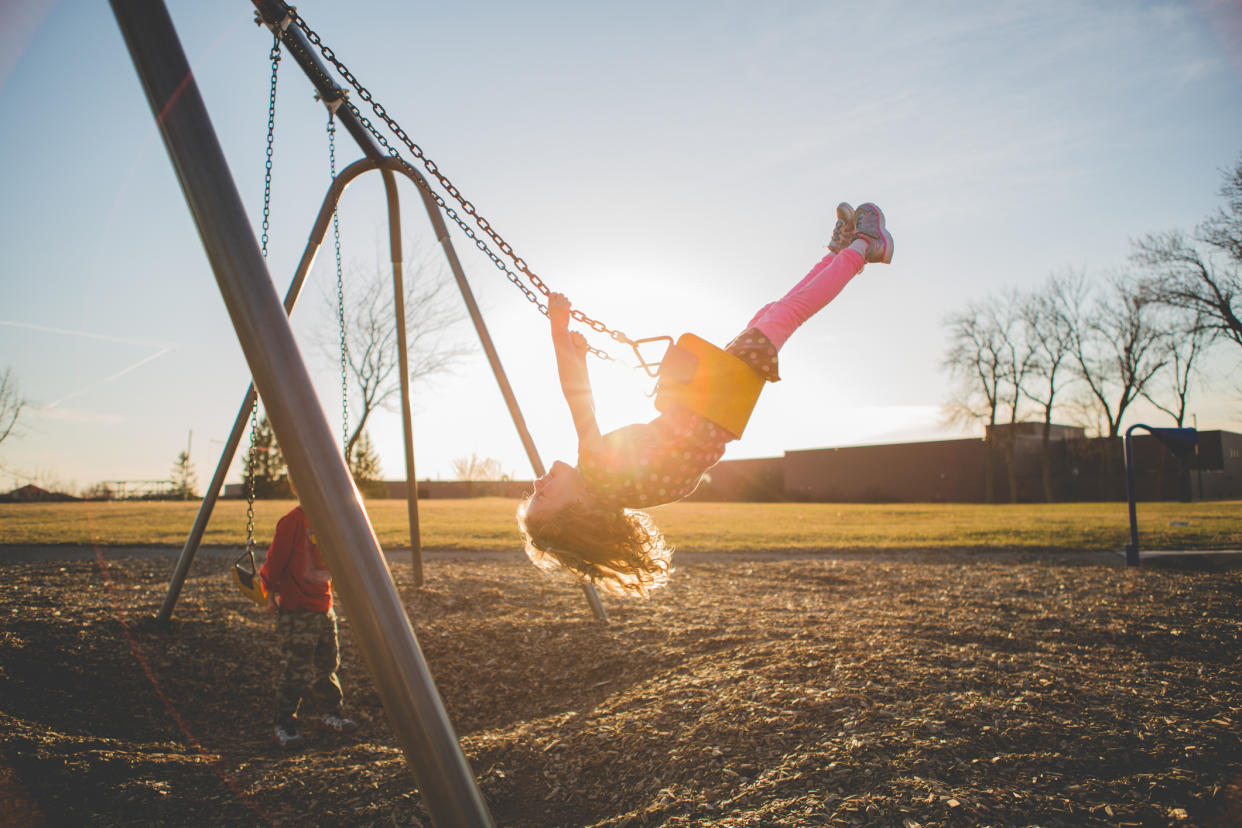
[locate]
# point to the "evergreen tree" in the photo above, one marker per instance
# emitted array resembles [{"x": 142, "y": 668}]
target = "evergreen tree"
[
  {"x": 184, "y": 478},
  {"x": 267, "y": 464},
  {"x": 364, "y": 465}
]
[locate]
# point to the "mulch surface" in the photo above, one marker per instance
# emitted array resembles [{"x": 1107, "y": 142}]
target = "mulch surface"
[{"x": 897, "y": 689}]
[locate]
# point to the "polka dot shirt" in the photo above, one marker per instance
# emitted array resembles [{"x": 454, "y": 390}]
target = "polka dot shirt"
[
  {"x": 647, "y": 464},
  {"x": 757, "y": 351}
]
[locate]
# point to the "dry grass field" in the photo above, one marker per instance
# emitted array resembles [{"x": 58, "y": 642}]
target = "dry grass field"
[
  {"x": 487, "y": 523},
  {"x": 808, "y": 665}
]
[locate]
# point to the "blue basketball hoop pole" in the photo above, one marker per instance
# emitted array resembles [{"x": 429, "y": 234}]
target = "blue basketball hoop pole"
[{"x": 1180, "y": 441}]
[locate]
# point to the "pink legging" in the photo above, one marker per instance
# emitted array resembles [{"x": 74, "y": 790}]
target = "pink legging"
[{"x": 781, "y": 318}]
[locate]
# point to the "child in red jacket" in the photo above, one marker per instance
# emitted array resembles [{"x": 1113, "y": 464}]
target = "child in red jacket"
[{"x": 299, "y": 594}]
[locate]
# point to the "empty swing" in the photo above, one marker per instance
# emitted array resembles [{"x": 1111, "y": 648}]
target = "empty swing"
[
  {"x": 245, "y": 569},
  {"x": 246, "y": 576}
]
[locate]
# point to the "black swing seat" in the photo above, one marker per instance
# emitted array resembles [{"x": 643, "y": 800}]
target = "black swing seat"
[{"x": 709, "y": 381}]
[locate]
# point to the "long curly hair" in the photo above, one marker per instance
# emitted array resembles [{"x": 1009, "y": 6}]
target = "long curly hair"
[{"x": 619, "y": 550}]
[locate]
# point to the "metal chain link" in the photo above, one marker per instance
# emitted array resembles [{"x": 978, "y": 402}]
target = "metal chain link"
[
  {"x": 340, "y": 295},
  {"x": 274, "y": 56},
  {"x": 466, "y": 206},
  {"x": 254, "y": 438}
]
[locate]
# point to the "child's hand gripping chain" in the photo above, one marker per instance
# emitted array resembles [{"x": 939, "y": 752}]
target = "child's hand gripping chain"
[{"x": 583, "y": 518}]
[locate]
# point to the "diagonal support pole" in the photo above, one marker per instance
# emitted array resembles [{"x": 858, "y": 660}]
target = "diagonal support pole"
[
  {"x": 212, "y": 494},
  {"x": 273, "y": 12},
  {"x": 331, "y": 500},
  {"x": 403, "y": 360}
]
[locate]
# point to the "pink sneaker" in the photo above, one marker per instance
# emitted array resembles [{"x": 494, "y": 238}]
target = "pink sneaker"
[
  {"x": 843, "y": 233},
  {"x": 870, "y": 223}
]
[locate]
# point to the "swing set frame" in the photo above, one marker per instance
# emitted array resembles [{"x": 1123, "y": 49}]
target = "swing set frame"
[
  {"x": 385, "y": 636},
  {"x": 275, "y": 14},
  {"x": 316, "y": 464}
]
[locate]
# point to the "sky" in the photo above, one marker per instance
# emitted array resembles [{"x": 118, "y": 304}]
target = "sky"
[{"x": 670, "y": 167}]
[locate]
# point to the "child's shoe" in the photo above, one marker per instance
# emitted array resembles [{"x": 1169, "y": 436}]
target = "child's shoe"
[
  {"x": 843, "y": 233},
  {"x": 337, "y": 723},
  {"x": 870, "y": 228},
  {"x": 287, "y": 735}
]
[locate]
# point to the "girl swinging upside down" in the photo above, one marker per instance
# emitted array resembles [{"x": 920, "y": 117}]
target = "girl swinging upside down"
[{"x": 584, "y": 518}]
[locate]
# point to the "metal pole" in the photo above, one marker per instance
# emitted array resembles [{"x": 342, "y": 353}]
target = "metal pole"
[
  {"x": 403, "y": 358},
  {"x": 182, "y": 570},
  {"x": 1132, "y": 549},
  {"x": 315, "y": 460},
  {"x": 493, "y": 358},
  {"x": 1198, "y": 465},
  {"x": 195, "y": 538},
  {"x": 274, "y": 11},
  {"x": 480, "y": 327}
]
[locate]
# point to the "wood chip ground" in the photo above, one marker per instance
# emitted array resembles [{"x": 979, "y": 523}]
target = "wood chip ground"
[{"x": 890, "y": 690}]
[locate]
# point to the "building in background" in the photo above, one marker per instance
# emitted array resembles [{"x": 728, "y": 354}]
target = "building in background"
[
  {"x": 1081, "y": 468},
  {"x": 955, "y": 471}
]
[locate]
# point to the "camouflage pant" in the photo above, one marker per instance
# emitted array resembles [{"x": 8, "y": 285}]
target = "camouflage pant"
[{"x": 311, "y": 656}]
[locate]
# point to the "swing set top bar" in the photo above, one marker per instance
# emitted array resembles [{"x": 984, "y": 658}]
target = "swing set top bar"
[
  {"x": 279, "y": 19},
  {"x": 275, "y": 13},
  {"x": 385, "y": 637},
  {"x": 299, "y": 38}
]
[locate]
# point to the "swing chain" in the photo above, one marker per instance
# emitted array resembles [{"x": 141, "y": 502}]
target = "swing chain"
[
  {"x": 254, "y": 438},
  {"x": 340, "y": 292},
  {"x": 274, "y": 55},
  {"x": 466, "y": 206}
]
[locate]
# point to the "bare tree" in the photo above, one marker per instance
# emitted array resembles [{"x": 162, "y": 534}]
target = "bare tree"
[
  {"x": 1181, "y": 275},
  {"x": 1017, "y": 361},
  {"x": 1115, "y": 345},
  {"x": 1183, "y": 345},
  {"x": 371, "y": 336},
  {"x": 976, "y": 361},
  {"x": 1047, "y": 332},
  {"x": 99, "y": 491},
  {"x": 1223, "y": 231},
  {"x": 477, "y": 468},
  {"x": 1185, "y": 278},
  {"x": 11, "y": 404}
]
